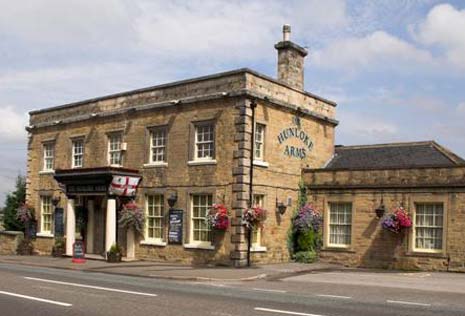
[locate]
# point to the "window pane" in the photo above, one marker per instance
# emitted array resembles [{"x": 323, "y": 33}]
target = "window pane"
[
  {"x": 154, "y": 214},
  {"x": 429, "y": 226},
  {"x": 204, "y": 141},
  {"x": 340, "y": 223},
  {"x": 158, "y": 145},
  {"x": 201, "y": 204},
  {"x": 259, "y": 139}
]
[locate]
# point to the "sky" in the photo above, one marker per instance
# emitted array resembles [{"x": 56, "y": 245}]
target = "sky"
[{"x": 396, "y": 68}]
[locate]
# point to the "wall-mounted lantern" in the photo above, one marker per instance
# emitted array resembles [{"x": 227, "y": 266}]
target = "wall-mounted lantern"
[
  {"x": 280, "y": 207},
  {"x": 55, "y": 200},
  {"x": 380, "y": 210},
  {"x": 172, "y": 199}
]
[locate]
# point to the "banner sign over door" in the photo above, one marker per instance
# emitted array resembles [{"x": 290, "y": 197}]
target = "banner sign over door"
[{"x": 124, "y": 185}]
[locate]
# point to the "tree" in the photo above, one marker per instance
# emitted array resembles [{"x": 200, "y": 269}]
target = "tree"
[{"x": 13, "y": 201}]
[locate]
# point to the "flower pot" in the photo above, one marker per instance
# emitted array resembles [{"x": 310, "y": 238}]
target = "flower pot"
[
  {"x": 58, "y": 251},
  {"x": 114, "y": 257}
]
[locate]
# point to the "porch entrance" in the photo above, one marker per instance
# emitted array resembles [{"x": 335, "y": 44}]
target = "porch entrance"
[{"x": 91, "y": 211}]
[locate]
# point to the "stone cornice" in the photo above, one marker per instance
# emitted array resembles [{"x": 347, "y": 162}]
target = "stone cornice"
[
  {"x": 179, "y": 83},
  {"x": 180, "y": 102}
]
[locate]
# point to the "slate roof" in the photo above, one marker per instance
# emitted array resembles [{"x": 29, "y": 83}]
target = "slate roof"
[{"x": 396, "y": 155}]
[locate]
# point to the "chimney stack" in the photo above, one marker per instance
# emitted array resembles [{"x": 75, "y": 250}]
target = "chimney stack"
[{"x": 290, "y": 60}]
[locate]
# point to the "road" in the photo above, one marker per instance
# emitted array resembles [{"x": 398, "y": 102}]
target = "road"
[{"x": 41, "y": 291}]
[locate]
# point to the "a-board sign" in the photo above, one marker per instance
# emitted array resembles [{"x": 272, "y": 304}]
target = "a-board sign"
[
  {"x": 59, "y": 222},
  {"x": 79, "y": 252},
  {"x": 175, "y": 227}
]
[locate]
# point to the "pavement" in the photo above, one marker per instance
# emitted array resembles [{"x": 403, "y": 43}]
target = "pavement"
[
  {"x": 162, "y": 270},
  {"x": 27, "y": 290}
]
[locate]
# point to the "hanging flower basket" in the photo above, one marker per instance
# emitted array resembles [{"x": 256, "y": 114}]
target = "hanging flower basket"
[
  {"x": 397, "y": 221},
  {"x": 218, "y": 217},
  {"x": 132, "y": 216},
  {"x": 25, "y": 213},
  {"x": 254, "y": 217}
]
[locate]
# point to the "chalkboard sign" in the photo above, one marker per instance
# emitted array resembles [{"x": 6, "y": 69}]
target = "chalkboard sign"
[
  {"x": 59, "y": 222},
  {"x": 175, "y": 226},
  {"x": 79, "y": 252}
]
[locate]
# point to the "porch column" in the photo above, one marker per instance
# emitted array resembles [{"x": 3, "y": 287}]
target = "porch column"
[
  {"x": 70, "y": 227},
  {"x": 130, "y": 243},
  {"x": 110, "y": 229},
  {"x": 90, "y": 227}
]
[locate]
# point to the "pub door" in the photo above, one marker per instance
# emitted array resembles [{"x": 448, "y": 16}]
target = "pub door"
[{"x": 98, "y": 230}]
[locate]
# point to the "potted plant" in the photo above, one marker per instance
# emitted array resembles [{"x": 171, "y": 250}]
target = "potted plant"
[
  {"x": 114, "y": 254},
  {"x": 218, "y": 217},
  {"x": 58, "y": 249}
]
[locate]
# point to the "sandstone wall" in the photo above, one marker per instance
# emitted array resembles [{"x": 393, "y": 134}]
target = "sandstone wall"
[{"x": 373, "y": 246}]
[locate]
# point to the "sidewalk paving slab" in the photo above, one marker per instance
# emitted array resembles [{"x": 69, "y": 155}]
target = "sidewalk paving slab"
[{"x": 163, "y": 270}]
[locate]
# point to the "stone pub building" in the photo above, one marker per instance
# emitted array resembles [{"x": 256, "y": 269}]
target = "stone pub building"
[{"x": 188, "y": 144}]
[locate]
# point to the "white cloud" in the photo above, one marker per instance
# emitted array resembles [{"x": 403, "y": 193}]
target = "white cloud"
[
  {"x": 12, "y": 126},
  {"x": 210, "y": 29},
  {"x": 230, "y": 30},
  {"x": 461, "y": 108},
  {"x": 74, "y": 22},
  {"x": 358, "y": 128},
  {"x": 376, "y": 49},
  {"x": 444, "y": 27}
]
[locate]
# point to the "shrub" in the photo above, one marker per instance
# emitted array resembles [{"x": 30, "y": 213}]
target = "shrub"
[{"x": 306, "y": 256}]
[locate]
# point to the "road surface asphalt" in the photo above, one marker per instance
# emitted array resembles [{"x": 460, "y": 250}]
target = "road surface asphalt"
[{"x": 37, "y": 291}]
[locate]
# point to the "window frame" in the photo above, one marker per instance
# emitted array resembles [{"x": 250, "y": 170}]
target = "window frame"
[
  {"x": 262, "y": 135},
  {"x": 110, "y": 136},
  {"x": 74, "y": 154},
  {"x": 161, "y": 217},
  {"x": 42, "y": 213},
  {"x": 212, "y": 141},
  {"x": 152, "y": 131},
  {"x": 327, "y": 239},
  {"x": 46, "y": 157},
  {"x": 199, "y": 243},
  {"x": 413, "y": 247}
]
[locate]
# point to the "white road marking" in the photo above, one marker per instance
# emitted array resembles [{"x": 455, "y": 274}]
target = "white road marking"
[
  {"x": 408, "y": 303},
  {"x": 36, "y": 299},
  {"x": 261, "y": 309},
  {"x": 269, "y": 290},
  {"x": 90, "y": 287},
  {"x": 334, "y": 296}
]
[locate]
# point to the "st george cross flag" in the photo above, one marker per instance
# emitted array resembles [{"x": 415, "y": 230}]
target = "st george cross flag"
[{"x": 124, "y": 185}]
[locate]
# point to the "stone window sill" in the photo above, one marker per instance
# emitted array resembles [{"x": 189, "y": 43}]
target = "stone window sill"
[
  {"x": 47, "y": 172},
  {"x": 200, "y": 246},
  {"x": 153, "y": 243},
  {"x": 417, "y": 253},
  {"x": 201, "y": 162},
  {"x": 45, "y": 235},
  {"x": 156, "y": 165},
  {"x": 261, "y": 163},
  {"x": 258, "y": 249},
  {"x": 338, "y": 249}
]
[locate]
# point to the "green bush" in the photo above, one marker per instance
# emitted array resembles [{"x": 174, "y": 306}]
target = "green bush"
[
  {"x": 115, "y": 248},
  {"x": 306, "y": 256},
  {"x": 306, "y": 241}
]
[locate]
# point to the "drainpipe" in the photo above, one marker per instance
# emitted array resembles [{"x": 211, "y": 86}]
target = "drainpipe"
[{"x": 253, "y": 105}]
